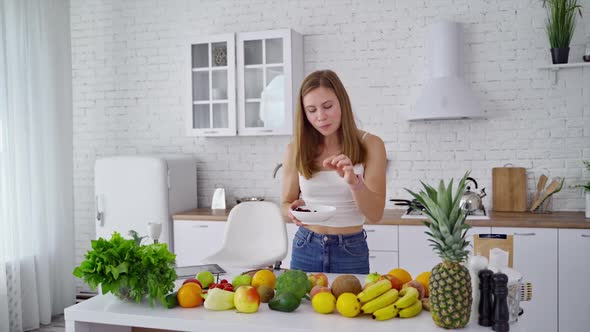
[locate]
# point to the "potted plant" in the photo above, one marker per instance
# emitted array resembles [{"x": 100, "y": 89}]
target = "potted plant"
[
  {"x": 129, "y": 270},
  {"x": 561, "y": 23},
  {"x": 586, "y": 189}
]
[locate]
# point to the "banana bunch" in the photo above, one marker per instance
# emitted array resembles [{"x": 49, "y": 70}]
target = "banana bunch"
[
  {"x": 373, "y": 291},
  {"x": 380, "y": 301},
  {"x": 408, "y": 305}
]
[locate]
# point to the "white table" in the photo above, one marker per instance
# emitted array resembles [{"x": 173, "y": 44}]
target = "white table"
[{"x": 108, "y": 313}]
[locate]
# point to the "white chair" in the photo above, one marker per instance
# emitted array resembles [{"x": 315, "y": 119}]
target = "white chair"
[{"x": 255, "y": 237}]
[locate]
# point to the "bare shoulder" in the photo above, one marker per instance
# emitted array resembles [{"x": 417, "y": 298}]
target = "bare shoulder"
[{"x": 373, "y": 142}]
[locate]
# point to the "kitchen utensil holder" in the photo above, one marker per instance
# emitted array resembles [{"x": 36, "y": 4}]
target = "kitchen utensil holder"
[{"x": 546, "y": 206}]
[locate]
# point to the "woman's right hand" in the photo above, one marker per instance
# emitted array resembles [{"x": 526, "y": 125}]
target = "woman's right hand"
[{"x": 293, "y": 206}]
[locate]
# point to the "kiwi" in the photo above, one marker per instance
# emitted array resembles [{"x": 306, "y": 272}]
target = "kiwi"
[
  {"x": 346, "y": 283},
  {"x": 266, "y": 293}
]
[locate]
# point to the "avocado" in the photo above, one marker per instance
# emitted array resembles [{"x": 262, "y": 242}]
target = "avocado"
[{"x": 285, "y": 302}]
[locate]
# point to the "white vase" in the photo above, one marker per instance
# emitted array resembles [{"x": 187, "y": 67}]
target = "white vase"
[{"x": 588, "y": 204}]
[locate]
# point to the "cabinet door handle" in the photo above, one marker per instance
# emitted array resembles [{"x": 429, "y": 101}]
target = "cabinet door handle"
[
  {"x": 211, "y": 132},
  {"x": 265, "y": 131},
  {"x": 585, "y": 235},
  {"x": 202, "y": 226},
  {"x": 525, "y": 234},
  {"x": 370, "y": 230},
  {"x": 370, "y": 257}
]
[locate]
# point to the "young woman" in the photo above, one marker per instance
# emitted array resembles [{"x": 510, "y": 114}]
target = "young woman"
[{"x": 331, "y": 162}]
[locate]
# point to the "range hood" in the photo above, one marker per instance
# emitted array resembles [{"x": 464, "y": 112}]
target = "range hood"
[{"x": 446, "y": 95}]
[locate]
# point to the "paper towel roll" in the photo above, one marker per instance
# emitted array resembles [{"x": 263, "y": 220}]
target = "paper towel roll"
[{"x": 498, "y": 259}]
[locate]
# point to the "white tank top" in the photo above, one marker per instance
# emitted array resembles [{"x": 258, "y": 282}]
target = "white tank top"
[{"x": 328, "y": 188}]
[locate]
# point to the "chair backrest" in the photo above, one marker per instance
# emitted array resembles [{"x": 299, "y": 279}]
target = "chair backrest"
[{"x": 257, "y": 229}]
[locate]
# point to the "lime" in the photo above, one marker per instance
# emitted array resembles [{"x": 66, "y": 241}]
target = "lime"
[
  {"x": 324, "y": 302},
  {"x": 347, "y": 305}
]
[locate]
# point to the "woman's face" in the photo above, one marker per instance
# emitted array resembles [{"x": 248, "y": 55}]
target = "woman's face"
[{"x": 322, "y": 110}]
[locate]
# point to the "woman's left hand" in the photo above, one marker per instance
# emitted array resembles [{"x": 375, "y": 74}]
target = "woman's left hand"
[{"x": 343, "y": 166}]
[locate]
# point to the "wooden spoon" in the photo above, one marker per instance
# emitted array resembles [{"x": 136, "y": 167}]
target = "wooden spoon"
[
  {"x": 552, "y": 188},
  {"x": 540, "y": 186}
]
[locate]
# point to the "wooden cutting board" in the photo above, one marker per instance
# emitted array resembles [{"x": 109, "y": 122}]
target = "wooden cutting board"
[{"x": 509, "y": 189}]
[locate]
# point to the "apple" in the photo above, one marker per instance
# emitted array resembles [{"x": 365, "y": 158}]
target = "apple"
[
  {"x": 395, "y": 282},
  {"x": 242, "y": 280},
  {"x": 318, "y": 279},
  {"x": 246, "y": 299},
  {"x": 206, "y": 278},
  {"x": 318, "y": 289},
  {"x": 193, "y": 280},
  {"x": 372, "y": 277}
]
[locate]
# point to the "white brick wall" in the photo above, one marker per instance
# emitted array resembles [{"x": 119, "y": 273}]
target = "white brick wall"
[{"x": 128, "y": 96}]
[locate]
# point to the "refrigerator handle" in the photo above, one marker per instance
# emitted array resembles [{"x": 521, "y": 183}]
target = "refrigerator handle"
[{"x": 99, "y": 211}]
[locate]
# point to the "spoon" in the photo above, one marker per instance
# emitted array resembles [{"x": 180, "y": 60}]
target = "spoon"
[{"x": 540, "y": 186}]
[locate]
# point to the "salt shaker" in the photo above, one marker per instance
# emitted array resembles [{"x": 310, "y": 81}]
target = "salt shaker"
[
  {"x": 501, "y": 315},
  {"x": 475, "y": 264},
  {"x": 485, "y": 298}
]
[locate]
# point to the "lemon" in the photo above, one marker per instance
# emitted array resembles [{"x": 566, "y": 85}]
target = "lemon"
[
  {"x": 348, "y": 305},
  {"x": 324, "y": 302}
]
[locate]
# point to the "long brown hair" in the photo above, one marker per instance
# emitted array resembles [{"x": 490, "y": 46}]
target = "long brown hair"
[{"x": 308, "y": 139}]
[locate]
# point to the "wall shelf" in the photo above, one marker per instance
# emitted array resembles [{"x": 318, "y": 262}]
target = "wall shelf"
[{"x": 555, "y": 68}]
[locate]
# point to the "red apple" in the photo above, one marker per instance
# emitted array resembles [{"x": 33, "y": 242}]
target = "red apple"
[
  {"x": 318, "y": 289},
  {"x": 246, "y": 299},
  {"x": 193, "y": 280},
  {"x": 318, "y": 279},
  {"x": 395, "y": 282}
]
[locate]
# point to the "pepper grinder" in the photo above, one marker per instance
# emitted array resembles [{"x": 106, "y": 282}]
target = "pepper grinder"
[
  {"x": 485, "y": 297},
  {"x": 501, "y": 314}
]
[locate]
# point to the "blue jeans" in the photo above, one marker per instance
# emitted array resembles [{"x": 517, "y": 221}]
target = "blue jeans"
[{"x": 313, "y": 252}]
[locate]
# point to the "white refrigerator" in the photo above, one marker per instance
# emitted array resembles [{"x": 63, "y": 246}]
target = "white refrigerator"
[{"x": 132, "y": 191}]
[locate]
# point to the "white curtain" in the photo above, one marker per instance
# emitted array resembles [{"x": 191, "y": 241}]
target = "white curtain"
[{"x": 36, "y": 199}]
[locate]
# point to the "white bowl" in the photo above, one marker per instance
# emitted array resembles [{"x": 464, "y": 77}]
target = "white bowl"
[{"x": 317, "y": 214}]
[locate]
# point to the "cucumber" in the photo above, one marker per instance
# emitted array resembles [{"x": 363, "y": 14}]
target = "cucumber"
[
  {"x": 171, "y": 300},
  {"x": 285, "y": 302}
]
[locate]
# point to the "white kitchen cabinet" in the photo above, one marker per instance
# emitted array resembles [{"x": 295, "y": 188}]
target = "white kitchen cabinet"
[
  {"x": 269, "y": 72},
  {"x": 382, "y": 241},
  {"x": 195, "y": 240},
  {"x": 574, "y": 288},
  {"x": 535, "y": 256},
  {"x": 212, "y": 103},
  {"x": 264, "y": 68},
  {"x": 415, "y": 253}
]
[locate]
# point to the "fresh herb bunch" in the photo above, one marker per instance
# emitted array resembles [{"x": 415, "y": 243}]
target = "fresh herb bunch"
[
  {"x": 587, "y": 185},
  {"x": 129, "y": 270},
  {"x": 561, "y": 21}
]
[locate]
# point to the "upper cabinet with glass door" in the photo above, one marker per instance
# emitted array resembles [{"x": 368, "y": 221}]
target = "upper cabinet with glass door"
[
  {"x": 212, "y": 106},
  {"x": 270, "y": 70}
]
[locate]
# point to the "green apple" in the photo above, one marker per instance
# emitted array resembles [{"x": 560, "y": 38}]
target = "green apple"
[
  {"x": 206, "y": 278},
  {"x": 372, "y": 277},
  {"x": 242, "y": 280}
]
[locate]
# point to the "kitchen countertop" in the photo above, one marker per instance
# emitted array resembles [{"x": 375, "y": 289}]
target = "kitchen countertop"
[
  {"x": 558, "y": 219},
  {"x": 107, "y": 313}
]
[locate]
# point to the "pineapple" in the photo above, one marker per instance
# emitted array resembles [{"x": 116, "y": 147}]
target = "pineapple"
[{"x": 450, "y": 283}]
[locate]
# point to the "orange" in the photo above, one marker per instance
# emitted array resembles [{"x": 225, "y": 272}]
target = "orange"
[
  {"x": 403, "y": 275},
  {"x": 189, "y": 295},
  {"x": 424, "y": 279},
  {"x": 263, "y": 277}
]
